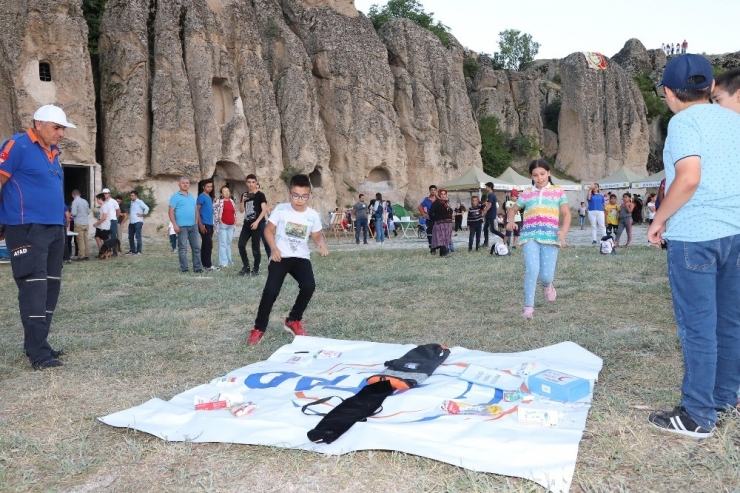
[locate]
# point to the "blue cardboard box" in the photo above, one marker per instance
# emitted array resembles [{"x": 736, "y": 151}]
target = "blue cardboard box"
[{"x": 559, "y": 386}]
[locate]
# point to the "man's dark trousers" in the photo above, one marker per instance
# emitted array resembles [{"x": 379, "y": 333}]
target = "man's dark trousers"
[
  {"x": 36, "y": 252},
  {"x": 134, "y": 233},
  {"x": 255, "y": 235},
  {"x": 206, "y": 246},
  {"x": 361, "y": 223},
  {"x": 491, "y": 224}
]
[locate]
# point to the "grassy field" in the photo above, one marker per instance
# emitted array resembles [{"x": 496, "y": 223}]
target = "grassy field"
[{"x": 136, "y": 328}]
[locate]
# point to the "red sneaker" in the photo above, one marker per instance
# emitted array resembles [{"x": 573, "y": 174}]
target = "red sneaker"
[
  {"x": 295, "y": 327},
  {"x": 255, "y": 337}
]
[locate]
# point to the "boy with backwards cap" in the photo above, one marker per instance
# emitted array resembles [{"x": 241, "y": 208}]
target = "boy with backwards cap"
[{"x": 702, "y": 163}]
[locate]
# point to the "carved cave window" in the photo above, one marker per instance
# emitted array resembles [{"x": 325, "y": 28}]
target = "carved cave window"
[
  {"x": 315, "y": 178},
  {"x": 378, "y": 175},
  {"x": 45, "y": 71}
]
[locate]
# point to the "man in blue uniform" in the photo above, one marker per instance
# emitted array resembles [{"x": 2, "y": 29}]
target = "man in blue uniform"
[{"x": 32, "y": 218}]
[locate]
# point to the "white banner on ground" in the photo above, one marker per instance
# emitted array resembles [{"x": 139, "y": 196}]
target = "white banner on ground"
[{"x": 411, "y": 421}]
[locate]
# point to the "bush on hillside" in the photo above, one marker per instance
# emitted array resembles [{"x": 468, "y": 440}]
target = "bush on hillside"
[
  {"x": 494, "y": 151},
  {"x": 412, "y": 10}
]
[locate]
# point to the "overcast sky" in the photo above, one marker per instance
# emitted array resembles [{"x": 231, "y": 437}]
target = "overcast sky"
[{"x": 565, "y": 26}]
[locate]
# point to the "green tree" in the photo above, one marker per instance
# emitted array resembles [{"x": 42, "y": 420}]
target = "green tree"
[
  {"x": 516, "y": 49},
  {"x": 93, "y": 11},
  {"x": 412, "y": 10},
  {"x": 494, "y": 151}
]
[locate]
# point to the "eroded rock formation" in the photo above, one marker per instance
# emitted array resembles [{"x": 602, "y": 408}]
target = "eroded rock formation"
[
  {"x": 602, "y": 122},
  {"x": 42, "y": 66},
  {"x": 223, "y": 88},
  {"x": 436, "y": 119}
]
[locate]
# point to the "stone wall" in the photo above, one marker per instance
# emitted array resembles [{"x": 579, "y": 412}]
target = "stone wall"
[{"x": 28, "y": 41}]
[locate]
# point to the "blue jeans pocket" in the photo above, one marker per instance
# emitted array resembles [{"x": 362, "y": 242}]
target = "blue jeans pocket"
[{"x": 700, "y": 256}]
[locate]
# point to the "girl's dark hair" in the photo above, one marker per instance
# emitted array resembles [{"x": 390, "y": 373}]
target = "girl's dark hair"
[{"x": 540, "y": 163}]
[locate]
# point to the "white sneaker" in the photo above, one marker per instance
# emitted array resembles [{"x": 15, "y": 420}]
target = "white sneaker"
[{"x": 213, "y": 268}]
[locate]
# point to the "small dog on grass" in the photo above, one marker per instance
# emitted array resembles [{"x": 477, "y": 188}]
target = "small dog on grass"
[{"x": 111, "y": 248}]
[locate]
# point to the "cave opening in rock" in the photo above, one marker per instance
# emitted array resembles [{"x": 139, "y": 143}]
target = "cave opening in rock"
[
  {"x": 230, "y": 174},
  {"x": 378, "y": 175},
  {"x": 315, "y": 178}
]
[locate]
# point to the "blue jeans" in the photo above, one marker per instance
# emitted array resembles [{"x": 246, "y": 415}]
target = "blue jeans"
[
  {"x": 188, "y": 234},
  {"x": 379, "y": 230},
  {"x": 582, "y": 220},
  {"x": 705, "y": 283},
  {"x": 539, "y": 261},
  {"x": 361, "y": 223},
  {"x": 225, "y": 236},
  {"x": 113, "y": 230},
  {"x": 134, "y": 233}
]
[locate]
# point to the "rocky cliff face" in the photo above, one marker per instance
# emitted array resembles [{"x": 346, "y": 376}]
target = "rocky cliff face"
[
  {"x": 435, "y": 115},
  {"x": 635, "y": 59},
  {"x": 354, "y": 90},
  {"x": 223, "y": 88},
  {"x": 26, "y": 43},
  {"x": 602, "y": 122}
]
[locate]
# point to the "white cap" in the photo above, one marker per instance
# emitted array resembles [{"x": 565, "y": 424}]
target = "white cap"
[
  {"x": 105, "y": 190},
  {"x": 53, "y": 114}
]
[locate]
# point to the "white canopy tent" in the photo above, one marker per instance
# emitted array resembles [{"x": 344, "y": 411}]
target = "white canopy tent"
[
  {"x": 652, "y": 181},
  {"x": 567, "y": 185},
  {"x": 512, "y": 176},
  {"x": 475, "y": 179},
  {"x": 622, "y": 178}
]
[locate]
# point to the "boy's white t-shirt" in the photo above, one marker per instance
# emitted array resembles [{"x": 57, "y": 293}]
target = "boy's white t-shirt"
[{"x": 293, "y": 229}]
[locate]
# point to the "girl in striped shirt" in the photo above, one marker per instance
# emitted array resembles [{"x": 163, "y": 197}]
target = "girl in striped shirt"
[{"x": 540, "y": 237}]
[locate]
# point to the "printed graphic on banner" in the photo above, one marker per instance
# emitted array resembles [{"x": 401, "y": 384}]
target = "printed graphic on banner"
[{"x": 260, "y": 404}]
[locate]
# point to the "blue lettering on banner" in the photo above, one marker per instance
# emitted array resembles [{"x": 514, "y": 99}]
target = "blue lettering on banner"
[
  {"x": 307, "y": 383},
  {"x": 254, "y": 381},
  {"x": 497, "y": 395},
  {"x": 277, "y": 378}
]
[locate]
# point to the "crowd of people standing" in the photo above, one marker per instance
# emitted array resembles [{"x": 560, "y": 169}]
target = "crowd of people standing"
[{"x": 675, "y": 49}]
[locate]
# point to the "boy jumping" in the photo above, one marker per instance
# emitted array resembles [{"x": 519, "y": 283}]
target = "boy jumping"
[
  {"x": 287, "y": 233},
  {"x": 702, "y": 163}
]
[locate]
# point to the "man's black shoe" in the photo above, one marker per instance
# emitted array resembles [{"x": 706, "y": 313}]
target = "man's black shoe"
[
  {"x": 54, "y": 353},
  {"x": 255, "y": 273},
  {"x": 678, "y": 421},
  {"x": 198, "y": 271},
  {"x": 243, "y": 272},
  {"x": 47, "y": 363}
]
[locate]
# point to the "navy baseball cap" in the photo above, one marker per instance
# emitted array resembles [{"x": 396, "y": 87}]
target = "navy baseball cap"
[{"x": 680, "y": 69}]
